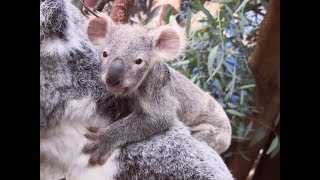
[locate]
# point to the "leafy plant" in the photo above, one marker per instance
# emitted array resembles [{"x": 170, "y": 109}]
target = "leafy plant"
[{"x": 216, "y": 61}]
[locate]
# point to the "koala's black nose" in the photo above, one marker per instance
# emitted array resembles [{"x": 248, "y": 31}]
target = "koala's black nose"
[{"x": 115, "y": 72}]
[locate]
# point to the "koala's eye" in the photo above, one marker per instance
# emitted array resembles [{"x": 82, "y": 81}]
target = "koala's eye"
[
  {"x": 138, "y": 61},
  {"x": 104, "y": 54}
]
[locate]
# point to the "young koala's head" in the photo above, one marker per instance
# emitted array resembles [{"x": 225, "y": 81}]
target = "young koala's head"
[{"x": 128, "y": 52}]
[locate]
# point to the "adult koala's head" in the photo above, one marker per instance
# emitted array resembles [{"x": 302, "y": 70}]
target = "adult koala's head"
[{"x": 128, "y": 52}]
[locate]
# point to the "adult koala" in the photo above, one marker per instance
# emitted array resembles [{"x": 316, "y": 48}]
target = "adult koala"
[{"x": 73, "y": 98}]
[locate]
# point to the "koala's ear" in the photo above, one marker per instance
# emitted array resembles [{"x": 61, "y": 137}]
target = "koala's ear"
[
  {"x": 98, "y": 28},
  {"x": 168, "y": 41}
]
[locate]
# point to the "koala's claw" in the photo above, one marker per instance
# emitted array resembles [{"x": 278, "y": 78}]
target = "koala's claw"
[
  {"x": 91, "y": 136},
  {"x": 91, "y": 147},
  {"x": 99, "y": 154},
  {"x": 98, "y": 157},
  {"x": 95, "y": 158},
  {"x": 98, "y": 148},
  {"x": 93, "y": 129}
]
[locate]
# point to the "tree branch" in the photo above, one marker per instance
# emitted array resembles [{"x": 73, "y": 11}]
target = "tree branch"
[{"x": 121, "y": 10}]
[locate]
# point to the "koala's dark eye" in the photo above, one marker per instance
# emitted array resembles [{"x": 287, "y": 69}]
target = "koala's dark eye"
[
  {"x": 104, "y": 54},
  {"x": 138, "y": 61}
]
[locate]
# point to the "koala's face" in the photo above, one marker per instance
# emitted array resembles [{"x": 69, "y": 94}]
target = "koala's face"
[
  {"x": 126, "y": 58},
  {"x": 128, "y": 52}
]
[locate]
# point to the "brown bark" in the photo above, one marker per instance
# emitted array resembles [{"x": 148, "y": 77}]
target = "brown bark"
[
  {"x": 121, "y": 10},
  {"x": 265, "y": 66}
]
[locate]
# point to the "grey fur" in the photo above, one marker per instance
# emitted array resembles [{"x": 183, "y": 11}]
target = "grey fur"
[
  {"x": 69, "y": 71},
  {"x": 158, "y": 93},
  {"x": 74, "y": 74},
  {"x": 43, "y": 119},
  {"x": 193, "y": 160}
]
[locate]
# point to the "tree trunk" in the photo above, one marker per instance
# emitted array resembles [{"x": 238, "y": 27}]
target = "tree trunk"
[
  {"x": 121, "y": 10},
  {"x": 265, "y": 66}
]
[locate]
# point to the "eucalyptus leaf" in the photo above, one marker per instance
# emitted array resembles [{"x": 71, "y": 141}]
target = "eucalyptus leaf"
[
  {"x": 240, "y": 130},
  {"x": 221, "y": 1},
  {"x": 273, "y": 145},
  {"x": 199, "y": 6},
  {"x": 188, "y": 20},
  {"x": 242, "y": 5},
  {"x": 180, "y": 63},
  {"x": 236, "y": 113},
  {"x": 242, "y": 24},
  {"x": 228, "y": 96},
  {"x": 275, "y": 151},
  {"x": 194, "y": 78},
  {"x": 247, "y": 86},
  {"x": 248, "y": 129},
  {"x": 212, "y": 56},
  {"x": 168, "y": 15},
  {"x": 230, "y": 11},
  {"x": 217, "y": 69},
  {"x": 230, "y": 86},
  {"x": 244, "y": 156},
  {"x": 231, "y": 105},
  {"x": 241, "y": 97}
]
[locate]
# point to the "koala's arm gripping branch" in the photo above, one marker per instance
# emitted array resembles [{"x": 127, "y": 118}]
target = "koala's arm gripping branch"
[
  {"x": 153, "y": 115},
  {"x": 154, "y": 112},
  {"x": 136, "y": 127}
]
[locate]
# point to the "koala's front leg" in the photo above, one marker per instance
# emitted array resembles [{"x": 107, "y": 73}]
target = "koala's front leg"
[
  {"x": 135, "y": 127},
  {"x": 214, "y": 127}
]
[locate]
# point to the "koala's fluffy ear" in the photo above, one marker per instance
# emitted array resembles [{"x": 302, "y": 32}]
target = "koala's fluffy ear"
[
  {"x": 168, "y": 41},
  {"x": 98, "y": 28}
]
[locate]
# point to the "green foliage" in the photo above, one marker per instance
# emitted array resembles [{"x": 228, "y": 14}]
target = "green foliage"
[
  {"x": 107, "y": 7},
  {"x": 216, "y": 60},
  {"x": 274, "y": 144}
]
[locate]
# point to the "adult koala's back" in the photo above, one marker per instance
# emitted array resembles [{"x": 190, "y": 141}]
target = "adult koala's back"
[
  {"x": 73, "y": 98},
  {"x": 69, "y": 66}
]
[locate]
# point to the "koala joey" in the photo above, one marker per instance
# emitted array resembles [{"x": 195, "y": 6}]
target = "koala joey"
[{"x": 133, "y": 66}]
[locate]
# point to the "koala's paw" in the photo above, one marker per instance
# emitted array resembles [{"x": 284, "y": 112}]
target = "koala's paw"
[
  {"x": 100, "y": 148},
  {"x": 223, "y": 141}
]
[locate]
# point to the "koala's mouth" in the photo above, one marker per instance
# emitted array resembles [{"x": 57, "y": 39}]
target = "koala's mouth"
[{"x": 117, "y": 90}]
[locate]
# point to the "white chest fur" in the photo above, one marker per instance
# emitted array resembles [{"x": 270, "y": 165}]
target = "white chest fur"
[{"x": 60, "y": 147}]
